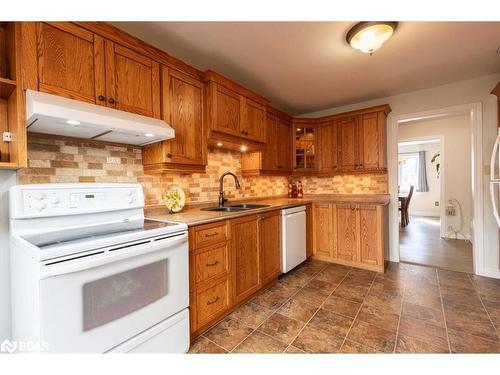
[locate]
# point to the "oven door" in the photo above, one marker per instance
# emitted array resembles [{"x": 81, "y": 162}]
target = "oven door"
[{"x": 96, "y": 302}]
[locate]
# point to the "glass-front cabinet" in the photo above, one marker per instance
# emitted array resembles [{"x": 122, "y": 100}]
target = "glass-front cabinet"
[{"x": 304, "y": 145}]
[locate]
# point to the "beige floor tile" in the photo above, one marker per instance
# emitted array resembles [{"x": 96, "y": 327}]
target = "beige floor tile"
[
  {"x": 298, "y": 310},
  {"x": 352, "y": 347},
  {"x": 379, "y": 317},
  {"x": 228, "y": 333},
  {"x": 465, "y": 343},
  {"x": 314, "y": 340},
  {"x": 202, "y": 345},
  {"x": 281, "y": 327},
  {"x": 370, "y": 335},
  {"x": 260, "y": 343},
  {"x": 341, "y": 306},
  {"x": 433, "y": 316},
  {"x": 407, "y": 344},
  {"x": 331, "y": 323},
  {"x": 251, "y": 314},
  {"x": 423, "y": 331}
]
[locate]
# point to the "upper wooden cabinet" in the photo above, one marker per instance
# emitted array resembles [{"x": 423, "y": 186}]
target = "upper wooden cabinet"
[
  {"x": 132, "y": 81},
  {"x": 328, "y": 149},
  {"x": 372, "y": 134},
  {"x": 73, "y": 62},
  {"x": 182, "y": 101},
  {"x": 304, "y": 145},
  {"x": 70, "y": 61},
  {"x": 275, "y": 158},
  {"x": 348, "y": 143},
  {"x": 235, "y": 115}
]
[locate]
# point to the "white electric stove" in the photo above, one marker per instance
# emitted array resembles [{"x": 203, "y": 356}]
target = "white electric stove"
[{"x": 91, "y": 274}]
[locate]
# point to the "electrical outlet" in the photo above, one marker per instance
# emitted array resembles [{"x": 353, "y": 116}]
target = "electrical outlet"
[
  {"x": 436, "y": 203},
  {"x": 7, "y": 136}
]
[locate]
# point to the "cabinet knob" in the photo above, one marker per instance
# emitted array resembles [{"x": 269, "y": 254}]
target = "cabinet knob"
[
  {"x": 242, "y": 132},
  {"x": 111, "y": 101},
  {"x": 101, "y": 98},
  {"x": 169, "y": 155}
]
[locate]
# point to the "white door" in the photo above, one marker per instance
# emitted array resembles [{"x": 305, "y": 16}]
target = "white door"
[{"x": 94, "y": 303}]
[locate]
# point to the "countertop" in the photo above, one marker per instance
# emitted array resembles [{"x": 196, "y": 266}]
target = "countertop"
[{"x": 193, "y": 215}]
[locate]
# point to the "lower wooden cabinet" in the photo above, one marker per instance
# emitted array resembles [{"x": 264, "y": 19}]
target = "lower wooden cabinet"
[
  {"x": 350, "y": 234},
  {"x": 229, "y": 262},
  {"x": 270, "y": 242}
]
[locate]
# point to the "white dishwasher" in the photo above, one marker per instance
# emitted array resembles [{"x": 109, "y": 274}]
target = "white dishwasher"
[{"x": 293, "y": 237}]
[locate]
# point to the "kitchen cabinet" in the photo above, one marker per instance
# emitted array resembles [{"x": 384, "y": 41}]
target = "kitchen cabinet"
[
  {"x": 182, "y": 101},
  {"x": 132, "y": 81},
  {"x": 70, "y": 61},
  {"x": 350, "y": 234},
  {"x": 73, "y": 62},
  {"x": 246, "y": 257},
  {"x": 270, "y": 246},
  {"x": 328, "y": 147},
  {"x": 372, "y": 140},
  {"x": 304, "y": 146},
  {"x": 236, "y": 116},
  {"x": 275, "y": 158},
  {"x": 323, "y": 229},
  {"x": 348, "y": 143}
]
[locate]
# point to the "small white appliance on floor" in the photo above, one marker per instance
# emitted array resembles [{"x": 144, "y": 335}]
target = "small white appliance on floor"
[
  {"x": 293, "y": 237},
  {"x": 91, "y": 274}
]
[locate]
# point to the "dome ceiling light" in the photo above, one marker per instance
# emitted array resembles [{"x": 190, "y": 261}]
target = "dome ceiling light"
[{"x": 369, "y": 36}]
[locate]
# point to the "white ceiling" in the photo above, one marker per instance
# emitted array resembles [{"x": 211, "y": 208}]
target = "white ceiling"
[{"x": 308, "y": 66}]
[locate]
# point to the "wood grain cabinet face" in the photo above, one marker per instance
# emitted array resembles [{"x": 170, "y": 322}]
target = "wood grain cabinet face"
[
  {"x": 346, "y": 232},
  {"x": 284, "y": 145},
  {"x": 210, "y": 262},
  {"x": 348, "y": 141},
  {"x": 322, "y": 228},
  {"x": 132, "y": 81},
  {"x": 270, "y": 246},
  {"x": 211, "y": 302},
  {"x": 69, "y": 59},
  {"x": 253, "y": 124},
  {"x": 270, "y": 153},
  {"x": 246, "y": 257},
  {"x": 328, "y": 147},
  {"x": 372, "y": 141},
  {"x": 227, "y": 111},
  {"x": 370, "y": 234}
]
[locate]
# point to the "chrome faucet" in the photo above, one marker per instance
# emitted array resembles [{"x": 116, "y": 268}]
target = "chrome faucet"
[{"x": 222, "y": 200}]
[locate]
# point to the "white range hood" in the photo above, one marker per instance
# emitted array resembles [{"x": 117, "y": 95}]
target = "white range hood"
[{"x": 51, "y": 114}]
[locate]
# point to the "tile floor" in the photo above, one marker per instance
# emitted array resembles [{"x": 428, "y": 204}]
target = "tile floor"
[{"x": 328, "y": 308}]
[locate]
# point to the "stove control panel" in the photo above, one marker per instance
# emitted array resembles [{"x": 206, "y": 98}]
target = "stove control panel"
[{"x": 46, "y": 200}]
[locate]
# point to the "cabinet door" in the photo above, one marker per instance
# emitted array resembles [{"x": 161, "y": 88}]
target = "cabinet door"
[
  {"x": 346, "y": 232},
  {"x": 284, "y": 146},
  {"x": 370, "y": 234},
  {"x": 371, "y": 142},
  {"x": 246, "y": 257},
  {"x": 253, "y": 120},
  {"x": 328, "y": 147},
  {"x": 348, "y": 141},
  {"x": 270, "y": 246},
  {"x": 224, "y": 109},
  {"x": 270, "y": 153},
  {"x": 322, "y": 230},
  {"x": 182, "y": 106},
  {"x": 132, "y": 81},
  {"x": 70, "y": 61}
]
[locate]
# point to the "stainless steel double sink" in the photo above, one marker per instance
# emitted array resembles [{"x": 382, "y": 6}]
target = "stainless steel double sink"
[{"x": 236, "y": 207}]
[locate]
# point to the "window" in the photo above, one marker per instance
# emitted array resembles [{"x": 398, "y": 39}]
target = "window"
[{"x": 407, "y": 171}]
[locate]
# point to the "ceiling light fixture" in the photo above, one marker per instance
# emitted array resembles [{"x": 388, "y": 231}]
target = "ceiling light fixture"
[
  {"x": 73, "y": 122},
  {"x": 149, "y": 135},
  {"x": 369, "y": 36}
]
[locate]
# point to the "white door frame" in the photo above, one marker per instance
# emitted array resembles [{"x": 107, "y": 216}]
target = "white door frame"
[{"x": 475, "y": 111}]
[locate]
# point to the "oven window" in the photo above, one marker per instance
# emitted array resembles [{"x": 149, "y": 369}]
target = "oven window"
[{"x": 108, "y": 299}]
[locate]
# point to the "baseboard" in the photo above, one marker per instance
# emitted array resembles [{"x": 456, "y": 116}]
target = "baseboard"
[
  {"x": 490, "y": 272},
  {"x": 424, "y": 213}
]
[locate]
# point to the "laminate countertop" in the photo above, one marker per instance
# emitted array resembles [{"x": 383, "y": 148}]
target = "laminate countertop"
[{"x": 193, "y": 215}]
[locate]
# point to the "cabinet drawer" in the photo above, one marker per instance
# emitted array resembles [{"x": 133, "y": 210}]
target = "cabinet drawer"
[
  {"x": 209, "y": 234},
  {"x": 211, "y": 302},
  {"x": 210, "y": 262}
]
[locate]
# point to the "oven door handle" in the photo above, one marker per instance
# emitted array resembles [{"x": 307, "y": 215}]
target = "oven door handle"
[{"x": 85, "y": 263}]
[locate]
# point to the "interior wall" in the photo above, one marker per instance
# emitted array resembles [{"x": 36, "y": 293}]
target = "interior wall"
[
  {"x": 7, "y": 179},
  {"x": 477, "y": 90},
  {"x": 423, "y": 203}
]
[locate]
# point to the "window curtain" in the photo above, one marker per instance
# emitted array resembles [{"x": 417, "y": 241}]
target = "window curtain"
[{"x": 422, "y": 185}]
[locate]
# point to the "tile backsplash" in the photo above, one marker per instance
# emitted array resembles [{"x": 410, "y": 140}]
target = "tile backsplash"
[{"x": 58, "y": 160}]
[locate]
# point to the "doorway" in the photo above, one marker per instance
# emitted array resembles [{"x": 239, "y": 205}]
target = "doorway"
[{"x": 443, "y": 210}]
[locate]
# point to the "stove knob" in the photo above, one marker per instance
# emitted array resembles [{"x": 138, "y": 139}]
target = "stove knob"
[
  {"x": 40, "y": 196},
  {"x": 131, "y": 200},
  {"x": 56, "y": 200},
  {"x": 130, "y": 193},
  {"x": 40, "y": 206}
]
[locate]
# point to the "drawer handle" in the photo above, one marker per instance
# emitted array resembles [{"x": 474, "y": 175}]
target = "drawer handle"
[
  {"x": 212, "y": 264},
  {"x": 211, "y": 302},
  {"x": 208, "y": 235}
]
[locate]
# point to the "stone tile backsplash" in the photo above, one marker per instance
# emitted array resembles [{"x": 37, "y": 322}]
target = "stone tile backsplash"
[{"x": 59, "y": 160}]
